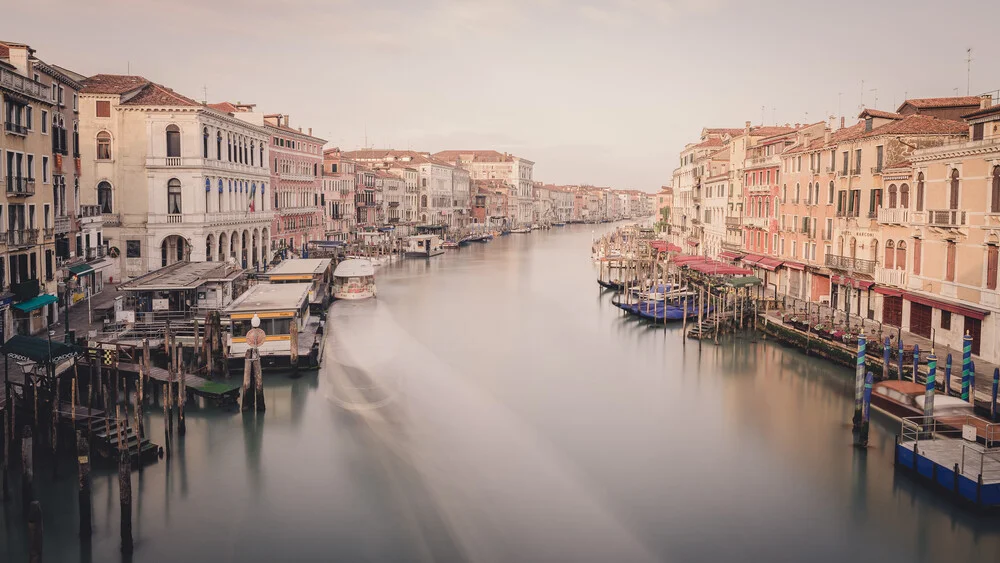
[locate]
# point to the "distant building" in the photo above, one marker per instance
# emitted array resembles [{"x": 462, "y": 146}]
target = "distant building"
[{"x": 494, "y": 165}]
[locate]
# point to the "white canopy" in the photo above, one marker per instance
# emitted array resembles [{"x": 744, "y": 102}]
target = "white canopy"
[{"x": 354, "y": 268}]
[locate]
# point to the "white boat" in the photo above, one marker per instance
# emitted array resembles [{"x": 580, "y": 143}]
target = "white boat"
[
  {"x": 423, "y": 246},
  {"x": 521, "y": 230},
  {"x": 283, "y": 311},
  {"x": 354, "y": 279}
]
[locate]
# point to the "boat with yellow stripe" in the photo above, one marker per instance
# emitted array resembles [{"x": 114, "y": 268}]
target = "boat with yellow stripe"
[
  {"x": 292, "y": 332},
  {"x": 317, "y": 272}
]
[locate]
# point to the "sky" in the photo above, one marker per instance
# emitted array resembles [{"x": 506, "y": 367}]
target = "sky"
[{"x": 600, "y": 92}]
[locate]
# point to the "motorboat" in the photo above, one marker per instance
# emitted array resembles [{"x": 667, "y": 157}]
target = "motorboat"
[
  {"x": 423, "y": 246},
  {"x": 354, "y": 279}
]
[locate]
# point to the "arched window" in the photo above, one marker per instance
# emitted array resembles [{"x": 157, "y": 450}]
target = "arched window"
[
  {"x": 904, "y": 196},
  {"x": 104, "y": 146},
  {"x": 995, "y": 191},
  {"x": 874, "y": 246},
  {"x": 892, "y": 196},
  {"x": 890, "y": 255},
  {"x": 784, "y": 193},
  {"x": 253, "y": 146},
  {"x": 204, "y": 143},
  {"x": 798, "y": 192},
  {"x": 920, "y": 191},
  {"x": 104, "y": 197},
  {"x": 218, "y": 146},
  {"x": 262, "y": 155},
  {"x": 953, "y": 192},
  {"x": 174, "y": 196},
  {"x": 229, "y": 143},
  {"x": 830, "y": 194},
  {"x": 901, "y": 255},
  {"x": 173, "y": 141}
]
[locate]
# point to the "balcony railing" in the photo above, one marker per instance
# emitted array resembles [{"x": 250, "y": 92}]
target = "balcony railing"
[
  {"x": 876, "y": 169},
  {"x": 827, "y": 235},
  {"x": 23, "y": 187},
  {"x": 22, "y": 237},
  {"x": 758, "y": 222},
  {"x": 831, "y": 169},
  {"x": 90, "y": 211},
  {"x": 173, "y": 218},
  {"x": 95, "y": 253},
  {"x": 24, "y": 85},
  {"x": 15, "y": 128},
  {"x": 893, "y": 216},
  {"x": 945, "y": 218},
  {"x": 885, "y": 276},
  {"x": 733, "y": 221},
  {"x": 173, "y": 161},
  {"x": 847, "y": 263},
  {"x": 111, "y": 219},
  {"x": 48, "y": 233},
  {"x": 62, "y": 225}
]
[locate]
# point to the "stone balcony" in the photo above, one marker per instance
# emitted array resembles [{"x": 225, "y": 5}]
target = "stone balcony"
[
  {"x": 846, "y": 263},
  {"x": 734, "y": 222},
  {"x": 946, "y": 218},
  {"x": 757, "y": 222},
  {"x": 25, "y": 86},
  {"x": 893, "y": 216},
  {"x": 885, "y": 276}
]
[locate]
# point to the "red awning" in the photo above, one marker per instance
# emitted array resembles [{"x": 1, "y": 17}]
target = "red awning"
[
  {"x": 671, "y": 247},
  {"x": 844, "y": 280},
  {"x": 660, "y": 245},
  {"x": 795, "y": 265},
  {"x": 730, "y": 255},
  {"x": 889, "y": 291},
  {"x": 718, "y": 268},
  {"x": 769, "y": 263},
  {"x": 964, "y": 310},
  {"x": 751, "y": 258},
  {"x": 692, "y": 242}
]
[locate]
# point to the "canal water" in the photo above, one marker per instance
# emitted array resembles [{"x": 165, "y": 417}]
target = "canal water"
[{"x": 491, "y": 405}]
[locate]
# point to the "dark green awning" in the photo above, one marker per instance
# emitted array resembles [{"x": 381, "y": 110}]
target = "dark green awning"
[
  {"x": 35, "y": 302},
  {"x": 33, "y": 349},
  {"x": 81, "y": 269},
  {"x": 744, "y": 281}
]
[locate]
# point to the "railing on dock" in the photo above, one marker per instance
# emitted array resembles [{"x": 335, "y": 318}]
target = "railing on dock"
[{"x": 980, "y": 456}]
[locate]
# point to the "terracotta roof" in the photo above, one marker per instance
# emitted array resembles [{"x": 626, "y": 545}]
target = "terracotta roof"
[
  {"x": 900, "y": 164},
  {"x": 4, "y": 51},
  {"x": 711, "y": 142},
  {"x": 224, "y": 107},
  {"x": 112, "y": 84},
  {"x": 723, "y": 130},
  {"x": 848, "y": 133},
  {"x": 770, "y": 131},
  {"x": 918, "y": 124},
  {"x": 156, "y": 95},
  {"x": 879, "y": 113},
  {"x": 952, "y": 102},
  {"x": 392, "y": 156},
  {"x": 475, "y": 156},
  {"x": 983, "y": 112}
]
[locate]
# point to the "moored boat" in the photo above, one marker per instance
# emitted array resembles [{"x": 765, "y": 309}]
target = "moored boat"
[
  {"x": 283, "y": 313},
  {"x": 354, "y": 279},
  {"x": 423, "y": 246}
]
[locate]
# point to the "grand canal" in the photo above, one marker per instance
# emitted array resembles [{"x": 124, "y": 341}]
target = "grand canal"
[{"x": 492, "y": 406}]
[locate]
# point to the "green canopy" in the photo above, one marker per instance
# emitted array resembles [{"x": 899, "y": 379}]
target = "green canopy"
[
  {"x": 33, "y": 349},
  {"x": 81, "y": 269},
  {"x": 744, "y": 281},
  {"x": 35, "y": 303}
]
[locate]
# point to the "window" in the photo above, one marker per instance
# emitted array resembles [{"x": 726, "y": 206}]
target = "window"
[
  {"x": 174, "y": 196},
  {"x": 204, "y": 142},
  {"x": 904, "y": 196},
  {"x": 846, "y": 161},
  {"x": 892, "y": 196},
  {"x": 916, "y": 256},
  {"x": 218, "y": 146},
  {"x": 28, "y": 117},
  {"x": 977, "y": 132},
  {"x": 133, "y": 249},
  {"x": 103, "y": 146},
  {"x": 45, "y": 170},
  {"x": 76, "y": 101},
  {"x": 890, "y": 255},
  {"x": 45, "y": 122},
  {"x": 992, "y": 252},
  {"x": 857, "y": 161},
  {"x": 828, "y": 229},
  {"x": 103, "y": 108},
  {"x": 829, "y": 195},
  {"x": 901, "y": 255},
  {"x": 104, "y": 197},
  {"x": 949, "y": 269},
  {"x": 995, "y": 191},
  {"x": 953, "y": 191},
  {"x": 878, "y": 158},
  {"x": 173, "y": 141},
  {"x": 920, "y": 191},
  {"x": 945, "y": 320}
]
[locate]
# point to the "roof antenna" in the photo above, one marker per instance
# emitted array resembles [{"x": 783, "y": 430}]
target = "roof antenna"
[
  {"x": 204, "y": 93},
  {"x": 128, "y": 68},
  {"x": 968, "y": 70}
]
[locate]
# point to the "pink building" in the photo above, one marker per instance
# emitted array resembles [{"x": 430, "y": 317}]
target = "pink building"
[
  {"x": 297, "y": 184},
  {"x": 368, "y": 199}
]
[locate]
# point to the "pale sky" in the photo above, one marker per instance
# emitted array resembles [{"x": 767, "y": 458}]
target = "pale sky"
[{"x": 604, "y": 92}]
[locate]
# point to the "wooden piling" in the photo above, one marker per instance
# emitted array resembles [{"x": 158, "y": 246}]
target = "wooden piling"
[
  {"x": 7, "y": 439},
  {"x": 165, "y": 399},
  {"x": 27, "y": 471},
  {"x": 83, "y": 485},
  {"x": 258, "y": 383},
  {"x": 293, "y": 343},
  {"x": 125, "y": 497},
  {"x": 35, "y": 532},
  {"x": 181, "y": 396}
]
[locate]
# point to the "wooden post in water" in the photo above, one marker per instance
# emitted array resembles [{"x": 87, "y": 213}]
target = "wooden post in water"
[
  {"x": 27, "y": 471},
  {"x": 182, "y": 391},
  {"x": 35, "y": 530},
  {"x": 83, "y": 485},
  {"x": 196, "y": 349},
  {"x": 859, "y": 385},
  {"x": 947, "y": 375},
  {"x": 258, "y": 383},
  {"x": 916, "y": 360},
  {"x": 684, "y": 319},
  {"x": 7, "y": 439},
  {"x": 701, "y": 309},
  {"x": 165, "y": 398},
  {"x": 866, "y": 409},
  {"x": 125, "y": 497},
  {"x": 886, "y": 345},
  {"x": 293, "y": 343}
]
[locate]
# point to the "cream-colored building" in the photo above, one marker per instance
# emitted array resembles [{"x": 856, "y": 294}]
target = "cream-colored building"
[
  {"x": 494, "y": 165},
  {"x": 174, "y": 179}
]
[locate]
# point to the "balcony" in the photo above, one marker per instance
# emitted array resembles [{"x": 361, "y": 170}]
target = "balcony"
[
  {"x": 876, "y": 170},
  {"x": 893, "y": 216},
  {"x": 172, "y": 161},
  {"x": 757, "y": 222},
  {"x": 827, "y": 235},
  {"x": 90, "y": 211},
  {"x": 48, "y": 233},
  {"x": 22, "y": 237},
  {"x": 734, "y": 222},
  {"x": 15, "y": 129},
  {"x": 831, "y": 169},
  {"x": 24, "y": 85},
  {"x": 175, "y": 218},
  {"x": 20, "y": 187},
  {"x": 856, "y": 265},
  {"x": 946, "y": 218},
  {"x": 62, "y": 225},
  {"x": 95, "y": 253},
  {"x": 884, "y": 276},
  {"x": 111, "y": 219}
]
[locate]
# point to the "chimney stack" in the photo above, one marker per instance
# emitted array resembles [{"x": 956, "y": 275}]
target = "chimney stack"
[
  {"x": 842, "y": 122},
  {"x": 746, "y": 128},
  {"x": 985, "y": 101},
  {"x": 826, "y": 136},
  {"x": 310, "y": 131}
]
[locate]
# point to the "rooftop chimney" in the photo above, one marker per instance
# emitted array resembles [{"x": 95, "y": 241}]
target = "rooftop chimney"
[
  {"x": 746, "y": 128},
  {"x": 842, "y": 122},
  {"x": 826, "y": 136},
  {"x": 985, "y": 101},
  {"x": 310, "y": 131}
]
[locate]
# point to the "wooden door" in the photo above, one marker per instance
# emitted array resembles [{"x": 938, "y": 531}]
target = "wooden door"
[
  {"x": 974, "y": 327},
  {"x": 892, "y": 310},
  {"x": 920, "y": 319}
]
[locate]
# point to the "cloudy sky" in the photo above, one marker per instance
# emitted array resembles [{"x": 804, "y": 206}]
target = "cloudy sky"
[{"x": 604, "y": 92}]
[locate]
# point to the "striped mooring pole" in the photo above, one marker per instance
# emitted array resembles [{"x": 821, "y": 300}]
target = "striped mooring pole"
[
  {"x": 900, "y": 362},
  {"x": 996, "y": 387},
  {"x": 972, "y": 383},
  {"x": 886, "y": 349},
  {"x": 966, "y": 364},
  {"x": 859, "y": 385},
  {"x": 862, "y": 440},
  {"x": 947, "y": 375},
  {"x": 916, "y": 360},
  {"x": 929, "y": 389}
]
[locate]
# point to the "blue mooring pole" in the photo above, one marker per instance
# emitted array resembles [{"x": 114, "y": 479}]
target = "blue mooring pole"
[
  {"x": 916, "y": 360},
  {"x": 996, "y": 387},
  {"x": 947, "y": 375},
  {"x": 862, "y": 440},
  {"x": 900, "y": 362},
  {"x": 929, "y": 388},
  {"x": 886, "y": 349},
  {"x": 966, "y": 365},
  {"x": 972, "y": 383},
  {"x": 859, "y": 385}
]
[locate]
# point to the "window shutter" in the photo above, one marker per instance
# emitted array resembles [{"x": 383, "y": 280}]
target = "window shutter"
[
  {"x": 992, "y": 253},
  {"x": 916, "y": 256},
  {"x": 950, "y": 266}
]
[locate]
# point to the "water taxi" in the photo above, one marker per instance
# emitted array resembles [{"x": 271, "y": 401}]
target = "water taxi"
[
  {"x": 521, "y": 230},
  {"x": 317, "y": 272},
  {"x": 423, "y": 246},
  {"x": 292, "y": 334},
  {"x": 354, "y": 279}
]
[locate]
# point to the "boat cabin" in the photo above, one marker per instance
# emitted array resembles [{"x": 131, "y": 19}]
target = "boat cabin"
[
  {"x": 283, "y": 309},
  {"x": 424, "y": 246},
  {"x": 354, "y": 279},
  {"x": 317, "y": 272},
  {"x": 183, "y": 290}
]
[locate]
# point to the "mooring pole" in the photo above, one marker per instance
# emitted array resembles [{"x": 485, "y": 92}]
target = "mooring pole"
[
  {"x": 916, "y": 361},
  {"x": 929, "y": 387},
  {"x": 125, "y": 498},
  {"x": 859, "y": 385},
  {"x": 866, "y": 412},
  {"x": 993, "y": 397},
  {"x": 886, "y": 346},
  {"x": 35, "y": 532},
  {"x": 947, "y": 375},
  {"x": 966, "y": 364},
  {"x": 83, "y": 484},
  {"x": 27, "y": 472}
]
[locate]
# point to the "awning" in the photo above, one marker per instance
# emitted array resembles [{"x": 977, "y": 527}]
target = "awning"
[
  {"x": 771, "y": 264},
  {"x": 888, "y": 291},
  {"x": 744, "y": 281},
  {"x": 751, "y": 258},
  {"x": 107, "y": 262},
  {"x": 730, "y": 255},
  {"x": 81, "y": 269},
  {"x": 33, "y": 349},
  {"x": 964, "y": 310},
  {"x": 844, "y": 280},
  {"x": 794, "y": 265},
  {"x": 35, "y": 303},
  {"x": 692, "y": 242}
]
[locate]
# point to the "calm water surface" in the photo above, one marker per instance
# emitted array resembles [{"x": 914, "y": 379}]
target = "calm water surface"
[{"x": 491, "y": 405}]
